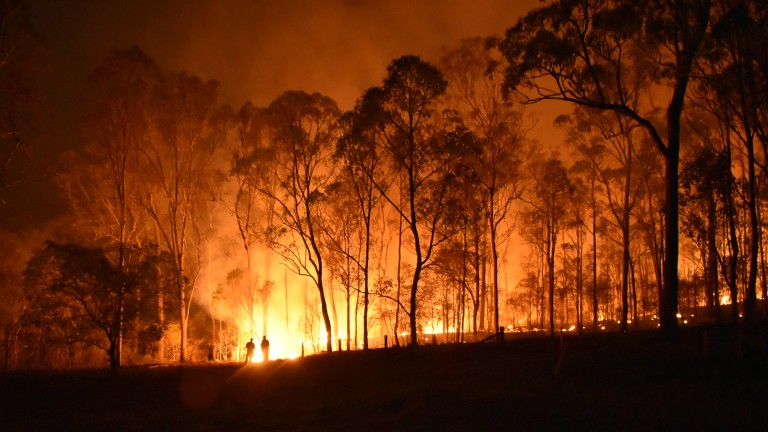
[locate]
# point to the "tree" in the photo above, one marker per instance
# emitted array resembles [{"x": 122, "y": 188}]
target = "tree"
[
  {"x": 607, "y": 142},
  {"x": 116, "y": 130},
  {"x": 591, "y": 53},
  {"x": 79, "y": 294},
  {"x": 345, "y": 240},
  {"x": 587, "y": 186},
  {"x": 417, "y": 155},
  {"x": 733, "y": 71},
  {"x": 460, "y": 260},
  {"x": 357, "y": 152},
  {"x": 707, "y": 182},
  {"x": 294, "y": 172},
  {"x": 184, "y": 134},
  {"x": 475, "y": 74},
  {"x": 549, "y": 195}
]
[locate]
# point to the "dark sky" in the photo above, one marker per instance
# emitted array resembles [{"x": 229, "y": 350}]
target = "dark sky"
[{"x": 256, "y": 48}]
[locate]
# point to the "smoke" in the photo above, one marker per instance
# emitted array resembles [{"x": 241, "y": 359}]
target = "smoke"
[{"x": 258, "y": 49}]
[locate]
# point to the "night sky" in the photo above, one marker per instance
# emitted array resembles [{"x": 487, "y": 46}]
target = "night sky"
[{"x": 257, "y": 49}]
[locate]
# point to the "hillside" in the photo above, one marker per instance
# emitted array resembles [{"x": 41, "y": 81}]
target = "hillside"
[{"x": 634, "y": 381}]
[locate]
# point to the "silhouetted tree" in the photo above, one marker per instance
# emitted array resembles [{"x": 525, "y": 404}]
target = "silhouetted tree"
[
  {"x": 475, "y": 74},
  {"x": 417, "y": 156},
  {"x": 549, "y": 196},
  {"x": 116, "y": 129},
  {"x": 706, "y": 182},
  {"x": 185, "y": 133},
  {"x": 356, "y": 150},
  {"x": 736, "y": 55},
  {"x": 294, "y": 171},
  {"x": 592, "y": 53},
  {"x": 78, "y": 291},
  {"x": 608, "y": 144}
]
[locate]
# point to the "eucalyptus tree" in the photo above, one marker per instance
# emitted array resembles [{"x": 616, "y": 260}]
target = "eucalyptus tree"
[
  {"x": 12, "y": 293},
  {"x": 576, "y": 232},
  {"x": 733, "y": 70},
  {"x": 475, "y": 75},
  {"x": 707, "y": 182},
  {"x": 356, "y": 152},
  {"x": 465, "y": 226},
  {"x": 648, "y": 223},
  {"x": 186, "y": 130},
  {"x": 115, "y": 130},
  {"x": 418, "y": 154},
  {"x": 547, "y": 201},
  {"x": 77, "y": 295},
  {"x": 592, "y": 53},
  {"x": 590, "y": 191},
  {"x": 608, "y": 143},
  {"x": 294, "y": 171},
  {"x": 346, "y": 239}
]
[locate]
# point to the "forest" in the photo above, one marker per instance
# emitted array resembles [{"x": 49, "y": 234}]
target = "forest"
[{"x": 429, "y": 212}]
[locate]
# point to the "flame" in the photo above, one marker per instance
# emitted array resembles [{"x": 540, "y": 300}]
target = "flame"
[{"x": 725, "y": 299}]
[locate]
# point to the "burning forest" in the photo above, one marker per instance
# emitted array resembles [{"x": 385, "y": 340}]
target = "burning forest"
[{"x": 594, "y": 166}]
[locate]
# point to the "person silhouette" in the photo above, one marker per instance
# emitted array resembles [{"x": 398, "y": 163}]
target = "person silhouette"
[
  {"x": 265, "y": 348},
  {"x": 249, "y": 348}
]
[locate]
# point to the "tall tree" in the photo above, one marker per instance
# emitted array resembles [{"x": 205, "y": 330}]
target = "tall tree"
[
  {"x": 607, "y": 142},
  {"x": 294, "y": 172},
  {"x": 116, "y": 129},
  {"x": 418, "y": 157},
  {"x": 706, "y": 182},
  {"x": 357, "y": 151},
  {"x": 475, "y": 74},
  {"x": 734, "y": 71},
  {"x": 176, "y": 163},
  {"x": 346, "y": 240},
  {"x": 590, "y": 52},
  {"x": 549, "y": 195}
]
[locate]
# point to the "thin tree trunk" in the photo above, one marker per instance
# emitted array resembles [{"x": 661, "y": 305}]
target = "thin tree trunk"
[{"x": 594, "y": 259}]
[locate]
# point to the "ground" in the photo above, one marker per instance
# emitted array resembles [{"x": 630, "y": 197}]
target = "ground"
[{"x": 702, "y": 379}]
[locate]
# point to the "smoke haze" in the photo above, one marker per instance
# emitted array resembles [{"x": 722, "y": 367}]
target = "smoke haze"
[{"x": 257, "y": 49}]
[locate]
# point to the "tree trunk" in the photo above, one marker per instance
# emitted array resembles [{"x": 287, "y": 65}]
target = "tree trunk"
[
  {"x": 713, "y": 285},
  {"x": 366, "y": 277},
  {"x": 551, "y": 243},
  {"x": 494, "y": 263},
  {"x": 399, "y": 278},
  {"x": 183, "y": 320},
  {"x": 324, "y": 308},
  {"x": 161, "y": 324},
  {"x": 751, "y": 295},
  {"x": 594, "y": 259}
]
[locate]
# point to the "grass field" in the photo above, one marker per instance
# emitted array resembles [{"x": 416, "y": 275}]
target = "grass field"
[{"x": 638, "y": 381}]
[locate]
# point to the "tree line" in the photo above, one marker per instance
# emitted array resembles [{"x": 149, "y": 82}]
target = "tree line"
[{"x": 435, "y": 169}]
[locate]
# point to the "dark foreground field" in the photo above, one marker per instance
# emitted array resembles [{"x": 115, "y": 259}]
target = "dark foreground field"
[{"x": 626, "y": 382}]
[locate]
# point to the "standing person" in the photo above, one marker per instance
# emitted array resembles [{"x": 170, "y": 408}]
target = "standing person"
[
  {"x": 249, "y": 348},
  {"x": 265, "y": 348}
]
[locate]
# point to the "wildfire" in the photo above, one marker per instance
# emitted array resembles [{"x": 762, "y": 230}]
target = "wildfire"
[{"x": 725, "y": 299}]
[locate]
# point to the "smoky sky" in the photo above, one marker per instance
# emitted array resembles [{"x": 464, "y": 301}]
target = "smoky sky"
[{"x": 256, "y": 49}]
